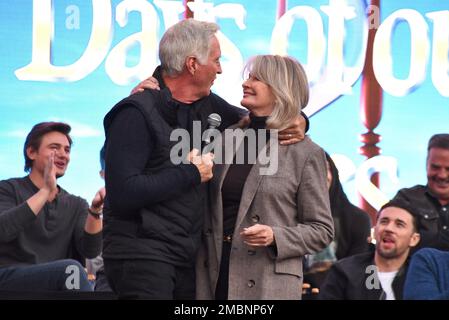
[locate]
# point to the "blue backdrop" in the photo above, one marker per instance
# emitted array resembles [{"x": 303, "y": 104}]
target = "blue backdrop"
[{"x": 73, "y": 60}]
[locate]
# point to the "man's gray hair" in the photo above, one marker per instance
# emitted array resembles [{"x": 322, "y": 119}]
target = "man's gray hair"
[{"x": 186, "y": 38}]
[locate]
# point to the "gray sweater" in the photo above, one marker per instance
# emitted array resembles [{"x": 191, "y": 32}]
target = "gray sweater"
[{"x": 57, "y": 232}]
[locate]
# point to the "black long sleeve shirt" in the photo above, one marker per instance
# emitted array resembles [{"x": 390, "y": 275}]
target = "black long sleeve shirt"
[
  {"x": 53, "y": 234},
  {"x": 129, "y": 187}
]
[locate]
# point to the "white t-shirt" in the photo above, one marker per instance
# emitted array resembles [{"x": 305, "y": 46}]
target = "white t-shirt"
[{"x": 386, "y": 280}]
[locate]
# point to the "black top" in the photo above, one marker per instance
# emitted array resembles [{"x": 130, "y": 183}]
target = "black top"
[
  {"x": 235, "y": 179},
  {"x": 355, "y": 278},
  {"x": 57, "y": 232},
  {"x": 352, "y": 225}
]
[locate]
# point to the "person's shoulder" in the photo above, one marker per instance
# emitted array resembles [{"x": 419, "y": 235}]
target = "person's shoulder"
[
  {"x": 133, "y": 106},
  {"x": 416, "y": 195},
  {"x": 12, "y": 183},
  {"x": 431, "y": 253},
  {"x": 307, "y": 142},
  {"x": 416, "y": 189},
  {"x": 121, "y": 112},
  {"x": 10, "y": 180},
  {"x": 307, "y": 147},
  {"x": 303, "y": 153},
  {"x": 145, "y": 100},
  {"x": 144, "y": 96},
  {"x": 311, "y": 144},
  {"x": 147, "y": 97}
]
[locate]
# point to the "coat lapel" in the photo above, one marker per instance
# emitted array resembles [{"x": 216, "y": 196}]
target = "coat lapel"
[{"x": 217, "y": 212}]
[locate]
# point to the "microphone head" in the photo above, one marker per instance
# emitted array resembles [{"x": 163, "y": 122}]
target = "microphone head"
[{"x": 214, "y": 120}]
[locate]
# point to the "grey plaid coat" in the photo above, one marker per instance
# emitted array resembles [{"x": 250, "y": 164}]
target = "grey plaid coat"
[{"x": 294, "y": 201}]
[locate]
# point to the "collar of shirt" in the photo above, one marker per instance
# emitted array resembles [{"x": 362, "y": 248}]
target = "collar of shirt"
[{"x": 435, "y": 200}]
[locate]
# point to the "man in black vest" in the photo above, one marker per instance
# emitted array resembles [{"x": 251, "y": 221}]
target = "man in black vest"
[{"x": 154, "y": 208}]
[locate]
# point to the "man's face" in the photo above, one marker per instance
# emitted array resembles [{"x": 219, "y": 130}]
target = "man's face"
[
  {"x": 438, "y": 173},
  {"x": 207, "y": 73},
  {"x": 394, "y": 233},
  {"x": 52, "y": 142}
]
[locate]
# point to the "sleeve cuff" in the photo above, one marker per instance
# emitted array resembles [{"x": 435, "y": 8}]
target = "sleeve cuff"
[
  {"x": 192, "y": 173},
  {"x": 93, "y": 244},
  {"x": 274, "y": 251},
  {"x": 307, "y": 121}
]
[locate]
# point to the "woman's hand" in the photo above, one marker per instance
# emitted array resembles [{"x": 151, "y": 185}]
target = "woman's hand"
[
  {"x": 295, "y": 133},
  {"x": 258, "y": 235},
  {"x": 148, "y": 83}
]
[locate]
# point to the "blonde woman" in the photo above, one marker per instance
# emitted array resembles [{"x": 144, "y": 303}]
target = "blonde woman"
[{"x": 260, "y": 226}]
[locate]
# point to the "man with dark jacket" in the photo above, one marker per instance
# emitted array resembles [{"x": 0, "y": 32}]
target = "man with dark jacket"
[
  {"x": 379, "y": 274},
  {"x": 432, "y": 200}
]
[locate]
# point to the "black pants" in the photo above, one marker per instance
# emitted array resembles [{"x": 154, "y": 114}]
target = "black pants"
[
  {"x": 148, "y": 279},
  {"x": 221, "y": 292}
]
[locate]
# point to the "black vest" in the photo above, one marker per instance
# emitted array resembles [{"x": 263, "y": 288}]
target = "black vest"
[{"x": 168, "y": 231}]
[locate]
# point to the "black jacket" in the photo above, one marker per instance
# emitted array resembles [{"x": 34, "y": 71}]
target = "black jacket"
[
  {"x": 352, "y": 225},
  {"x": 352, "y": 278},
  {"x": 352, "y": 228},
  {"x": 432, "y": 217}
]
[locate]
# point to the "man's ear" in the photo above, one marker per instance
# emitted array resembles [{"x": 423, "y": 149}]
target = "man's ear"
[
  {"x": 31, "y": 153},
  {"x": 416, "y": 237},
  {"x": 191, "y": 64}
]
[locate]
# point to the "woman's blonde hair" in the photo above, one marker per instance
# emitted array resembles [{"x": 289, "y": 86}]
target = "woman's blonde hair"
[{"x": 288, "y": 82}]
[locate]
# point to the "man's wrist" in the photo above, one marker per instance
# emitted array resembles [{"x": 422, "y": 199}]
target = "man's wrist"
[
  {"x": 45, "y": 191},
  {"x": 95, "y": 214}
]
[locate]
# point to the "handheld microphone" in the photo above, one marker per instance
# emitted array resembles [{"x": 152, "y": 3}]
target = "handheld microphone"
[{"x": 214, "y": 121}]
